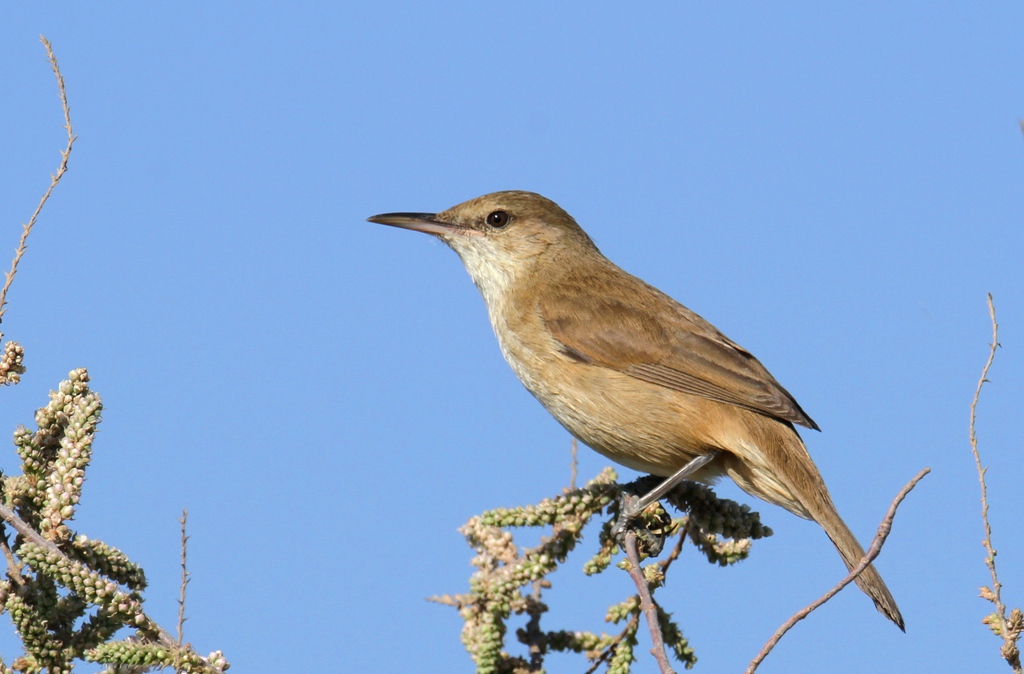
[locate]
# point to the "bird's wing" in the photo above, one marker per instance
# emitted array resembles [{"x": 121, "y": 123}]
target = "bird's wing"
[{"x": 658, "y": 340}]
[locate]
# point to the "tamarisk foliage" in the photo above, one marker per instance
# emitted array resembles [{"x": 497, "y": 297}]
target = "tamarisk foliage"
[
  {"x": 509, "y": 580},
  {"x": 68, "y": 595}
]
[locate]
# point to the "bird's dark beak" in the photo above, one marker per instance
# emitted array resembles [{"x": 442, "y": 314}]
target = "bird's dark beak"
[{"x": 420, "y": 222}]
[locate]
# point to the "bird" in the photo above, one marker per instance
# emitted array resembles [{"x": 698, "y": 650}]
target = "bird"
[{"x": 631, "y": 372}]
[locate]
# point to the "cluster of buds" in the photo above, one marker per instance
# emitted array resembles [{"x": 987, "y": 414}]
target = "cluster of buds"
[
  {"x": 508, "y": 580},
  {"x": 12, "y": 363},
  {"x": 67, "y": 594}
]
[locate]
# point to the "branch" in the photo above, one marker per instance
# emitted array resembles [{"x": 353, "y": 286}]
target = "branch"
[
  {"x": 22, "y": 527},
  {"x": 54, "y": 179},
  {"x": 631, "y": 626},
  {"x": 1010, "y": 634},
  {"x": 876, "y": 548},
  {"x": 575, "y": 465},
  {"x": 184, "y": 576},
  {"x": 990, "y": 561},
  {"x": 33, "y": 536},
  {"x": 677, "y": 549},
  {"x": 13, "y": 570},
  {"x": 647, "y": 604}
]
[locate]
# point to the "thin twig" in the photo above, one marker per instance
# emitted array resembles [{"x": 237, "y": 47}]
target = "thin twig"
[
  {"x": 1009, "y": 651},
  {"x": 677, "y": 549},
  {"x": 572, "y": 475},
  {"x": 631, "y": 626},
  {"x": 184, "y": 576},
  {"x": 647, "y": 604},
  {"x": 990, "y": 560},
  {"x": 13, "y": 570},
  {"x": 876, "y": 548},
  {"x": 533, "y": 636},
  {"x": 54, "y": 179}
]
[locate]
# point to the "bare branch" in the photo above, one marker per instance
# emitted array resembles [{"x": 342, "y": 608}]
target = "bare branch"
[
  {"x": 54, "y": 179},
  {"x": 184, "y": 576},
  {"x": 876, "y": 548},
  {"x": 647, "y": 604},
  {"x": 990, "y": 560},
  {"x": 1009, "y": 651},
  {"x": 575, "y": 465}
]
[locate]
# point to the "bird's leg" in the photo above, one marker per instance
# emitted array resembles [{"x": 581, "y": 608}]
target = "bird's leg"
[
  {"x": 631, "y": 505},
  {"x": 670, "y": 483}
]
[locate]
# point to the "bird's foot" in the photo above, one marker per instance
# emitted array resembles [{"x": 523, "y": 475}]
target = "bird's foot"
[
  {"x": 650, "y": 523},
  {"x": 639, "y": 514}
]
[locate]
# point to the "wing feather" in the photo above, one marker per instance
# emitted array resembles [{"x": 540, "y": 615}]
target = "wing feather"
[{"x": 658, "y": 340}]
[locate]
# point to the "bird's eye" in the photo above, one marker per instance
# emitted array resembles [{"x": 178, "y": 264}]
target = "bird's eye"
[{"x": 497, "y": 219}]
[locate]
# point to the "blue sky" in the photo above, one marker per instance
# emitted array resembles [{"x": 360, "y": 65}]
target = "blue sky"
[{"x": 836, "y": 187}]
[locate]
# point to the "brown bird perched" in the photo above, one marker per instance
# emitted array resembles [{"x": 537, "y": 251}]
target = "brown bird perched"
[{"x": 628, "y": 370}]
